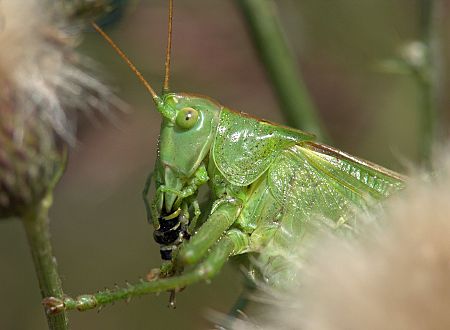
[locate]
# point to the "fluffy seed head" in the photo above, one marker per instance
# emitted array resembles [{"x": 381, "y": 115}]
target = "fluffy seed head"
[{"x": 43, "y": 82}]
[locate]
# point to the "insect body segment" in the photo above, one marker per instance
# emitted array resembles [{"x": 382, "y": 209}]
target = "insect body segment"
[{"x": 244, "y": 147}]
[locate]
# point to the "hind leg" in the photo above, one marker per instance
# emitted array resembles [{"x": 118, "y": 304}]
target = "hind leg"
[{"x": 233, "y": 242}]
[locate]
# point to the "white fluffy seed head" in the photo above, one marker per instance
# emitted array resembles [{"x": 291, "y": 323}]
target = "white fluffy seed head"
[
  {"x": 43, "y": 83},
  {"x": 40, "y": 73}
]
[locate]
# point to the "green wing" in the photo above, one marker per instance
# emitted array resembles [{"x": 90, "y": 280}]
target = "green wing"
[
  {"x": 317, "y": 186},
  {"x": 314, "y": 179}
]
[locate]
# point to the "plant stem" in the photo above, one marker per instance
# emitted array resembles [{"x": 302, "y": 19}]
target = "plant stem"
[
  {"x": 426, "y": 77},
  {"x": 269, "y": 39},
  {"x": 36, "y": 224}
]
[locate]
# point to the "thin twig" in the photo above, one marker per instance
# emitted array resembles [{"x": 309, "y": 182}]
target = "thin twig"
[
  {"x": 36, "y": 224},
  {"x": 270, "y": 41},
  {"x": 426, "y": 75}
]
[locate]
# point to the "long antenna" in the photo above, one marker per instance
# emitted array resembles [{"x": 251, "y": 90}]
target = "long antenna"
[
  {"x": 155, "y": 96},
  {"x": 166, "y": 87}
]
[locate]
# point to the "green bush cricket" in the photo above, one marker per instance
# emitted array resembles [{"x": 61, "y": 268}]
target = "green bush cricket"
[{"x": 266, "y": 183}]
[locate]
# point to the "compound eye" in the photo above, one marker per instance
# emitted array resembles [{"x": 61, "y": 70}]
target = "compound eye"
[{"x": 186, "y": 118}]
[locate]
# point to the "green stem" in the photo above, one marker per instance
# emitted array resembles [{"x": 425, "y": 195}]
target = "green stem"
[
  {"x": 425, "y": 76},
  {"x": 428, "y": 118},
  {"x": 36, "y": 224},
  {"x": 270, "y": 41}
]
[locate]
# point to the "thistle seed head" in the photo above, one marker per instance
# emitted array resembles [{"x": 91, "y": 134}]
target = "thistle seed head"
[{"x": 43, "y": 84}]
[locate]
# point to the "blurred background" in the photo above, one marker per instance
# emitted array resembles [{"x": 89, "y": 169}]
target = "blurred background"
[{"x": 98, "y": 226}]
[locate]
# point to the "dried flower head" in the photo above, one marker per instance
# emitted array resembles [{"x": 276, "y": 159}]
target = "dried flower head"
[{"x": 43, "y": 82}]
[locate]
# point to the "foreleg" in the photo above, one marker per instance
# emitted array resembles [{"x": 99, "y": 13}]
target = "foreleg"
[
  {"x": 145, "y": 192},
  {"x": 200, "y": 178}
]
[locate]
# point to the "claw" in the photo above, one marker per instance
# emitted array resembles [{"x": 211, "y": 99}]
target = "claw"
[{"x": 172, "y": 301}]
